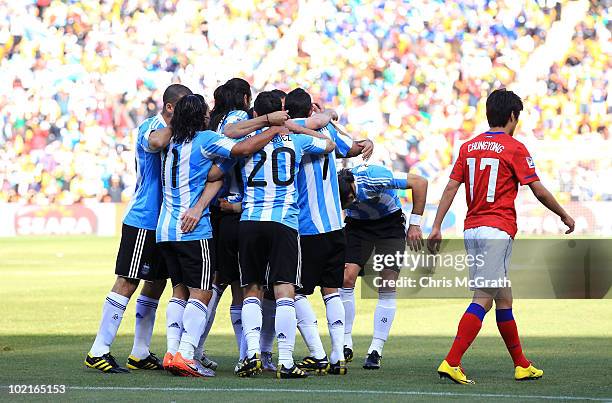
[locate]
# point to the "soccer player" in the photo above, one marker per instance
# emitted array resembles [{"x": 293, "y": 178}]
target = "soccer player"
[
  {"x": 269, "y": 241},
  {"x": 138, "y": 257},
  {"x": 187, "y": 161},
  {"x": 492, "y": 165},
  {"x": 321, "y": 238},
  {"x": 230, "y": 117},
  {"x": 375, "y": 222}
]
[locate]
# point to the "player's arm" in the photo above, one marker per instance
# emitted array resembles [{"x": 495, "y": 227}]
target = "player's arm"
[
  {"x": 549, "y": 201},
  {"x": 257, "y": 142},
  {"x": 320, "y": 119},
  {"x": 229, "y": 207},
  {"x": 418, "y": 185},
  {"x": 191, "y": 217},
  {"x": 244, "y": 127},
  {"x": 299, "y": 129},
  {"x": 435, "y": 237},
  {"x": 359, "y": 147},
  {"x": 160, "y": 138}
]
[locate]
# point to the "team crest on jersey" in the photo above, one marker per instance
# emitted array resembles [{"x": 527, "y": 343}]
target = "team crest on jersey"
[{"x": 530, "y": 162}]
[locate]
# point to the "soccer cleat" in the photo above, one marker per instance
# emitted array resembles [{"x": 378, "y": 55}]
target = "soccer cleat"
[
  {"x": 267, "y": 363},
  {"x": 338, "y": 368},
  {"x": 311, "y": 364},
  {"x": 151, "y": 362},
  {"x": 208, "y": 363},
  {"x": 193, "y": 368},
  {"x": 105, "y": 363},
  {"x": 290, "y": 373},
  {"x": 348, "y": 354},
  {"x": 249, "y": 366},
  {"x": 455, "y": 374},
  {"x": 372, "y": 360},
  {"x": 527, "y": 374}
]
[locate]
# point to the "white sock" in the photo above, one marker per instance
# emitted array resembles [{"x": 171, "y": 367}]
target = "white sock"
[
  {"x": 251, "y": 324},
  {"x": 145, "y": 320},
  {"x": 285, "y": 325},
  {"x": 194, "y": 320},
  {"x": 307, "y": 323},
  {"x": 383, "y": 319},
  {"x": 174, "y": 323},
  {"x": 112, "y": 313},
  {"x": 267, "y": 326},
  {"x": 348, "y": 300},
  {"x": 236, "y": 318},
  {"x": 210, "y": 318},
  {"x": 335, "y": 323}
]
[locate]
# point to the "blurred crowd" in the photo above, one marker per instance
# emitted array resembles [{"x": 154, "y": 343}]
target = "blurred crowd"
[{"x": 79, "y": 76}]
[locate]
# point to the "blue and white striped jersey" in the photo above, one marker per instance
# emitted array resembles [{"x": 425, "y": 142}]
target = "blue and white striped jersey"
[
  {"x": 269, "y": 178},
  {"x": 143, "y": 209},
  {"x": 232, "y": 186},
  {"x": 184, "y": 171},
  {"x": 318, "y": 194},
  {"x": 376, "y": 196}
]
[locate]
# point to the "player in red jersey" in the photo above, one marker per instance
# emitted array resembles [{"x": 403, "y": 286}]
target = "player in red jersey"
[{"x": 492, "y": 165}]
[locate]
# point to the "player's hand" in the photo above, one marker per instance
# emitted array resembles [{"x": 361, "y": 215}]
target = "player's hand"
[
  {"x": 434, "y": 240},
  {"x": 569, "y": 221},
  {"x": 368, "y": 149},
  {"x": 190, "y": 219},
  {"x": 228, "y": 207},
  {"x": 278, "y": 118},
  {"x": 316, "y": 108},
  {"x": 414, "y": 238},
  {"x": 333, "y": 113}
]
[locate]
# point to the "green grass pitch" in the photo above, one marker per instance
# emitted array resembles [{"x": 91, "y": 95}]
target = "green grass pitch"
[{"x": 52, "y": 291}]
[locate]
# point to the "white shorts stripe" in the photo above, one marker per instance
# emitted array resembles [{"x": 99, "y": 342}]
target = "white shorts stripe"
[
  {"x": 142, "y": 242},
  {"x": 136, "y": 253}
]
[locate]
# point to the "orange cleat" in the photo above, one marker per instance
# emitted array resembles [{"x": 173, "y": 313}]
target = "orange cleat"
[{"x": 186, "y": 367}]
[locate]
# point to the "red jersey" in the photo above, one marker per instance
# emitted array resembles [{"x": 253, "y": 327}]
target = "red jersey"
[{"x": 492, "y": 165}]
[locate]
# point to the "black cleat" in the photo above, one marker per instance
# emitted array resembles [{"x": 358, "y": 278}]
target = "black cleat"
[
  {"x": 372, "y": 361},
  {"x": 338, "y": 368},
  {"x": 151, "y": 362},
  {"x": 105, "y": 363},
  {"x": 311, "y": 364},
  {"x": 290, "y": 373},
  {"x": 348, "y": 354},
  {"x": 249, "y": 366}
]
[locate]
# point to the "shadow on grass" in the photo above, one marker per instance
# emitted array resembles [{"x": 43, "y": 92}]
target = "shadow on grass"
[{"x": 573, "y": 367}]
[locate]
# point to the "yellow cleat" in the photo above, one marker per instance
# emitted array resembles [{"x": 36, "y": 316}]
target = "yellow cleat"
[
  {"x": 455, "y": 374},
  {"x": 527, "y": 374}
]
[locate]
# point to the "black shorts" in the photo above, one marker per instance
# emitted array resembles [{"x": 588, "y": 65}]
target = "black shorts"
[
  {"x": 190, "y": 262},
  {"x": 269, "y": 254},
  {"x": 227, "y": 248},
  {"x": 386, "y": 236},
  {"x": 139, "y": 256},
  {"x": 322, "y": 261}
]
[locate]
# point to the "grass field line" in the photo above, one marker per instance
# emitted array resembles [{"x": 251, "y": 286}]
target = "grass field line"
[{"x": 338, "y": 391}]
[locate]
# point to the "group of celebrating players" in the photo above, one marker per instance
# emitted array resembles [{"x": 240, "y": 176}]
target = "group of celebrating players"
[{"x": 251, "y": 198}]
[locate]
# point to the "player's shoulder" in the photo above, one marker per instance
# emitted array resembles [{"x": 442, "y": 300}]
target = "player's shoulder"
[
  {"x": 372, "y": 171},
  {"x": 238, "y": 114},
  {"x": 152, "y": 123}
]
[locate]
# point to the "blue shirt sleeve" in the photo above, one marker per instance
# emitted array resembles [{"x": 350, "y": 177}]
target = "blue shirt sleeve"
[
  {"x": 231, "y": 118},
  {"x": 343, "y": 142},
  {"x": 309, "y": 144},
  {"x": 216, "y": 145},
  {"x": 144, "y": 131}
]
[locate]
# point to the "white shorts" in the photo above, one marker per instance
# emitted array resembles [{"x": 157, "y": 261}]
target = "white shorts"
[{"x": 490, "y": 249}]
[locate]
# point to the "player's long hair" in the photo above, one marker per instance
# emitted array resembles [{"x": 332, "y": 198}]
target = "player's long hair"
[
  {"x": 229, "y": 97},
  {"x": 188, "y": 118}
]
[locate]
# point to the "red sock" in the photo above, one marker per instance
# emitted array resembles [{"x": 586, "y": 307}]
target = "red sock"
[
  {"x": 469, "y": 326},
  {"x": 509, "y": 332}
]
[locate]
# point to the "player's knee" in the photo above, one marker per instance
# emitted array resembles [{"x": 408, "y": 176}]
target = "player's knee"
[
  {"x": 180, "y": 292},
  {"x": 203, "y": 296},
  {"x": 351, "y": 272},
  {"x": 125, "y": 286},
  {"x": 503, "y": 303},
  {"x": 153, "y": 289},
  {"x": 284, "y": 291}
]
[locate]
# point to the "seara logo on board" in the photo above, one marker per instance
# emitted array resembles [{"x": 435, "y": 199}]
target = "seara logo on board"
[{"x": 55, "y": 220}]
